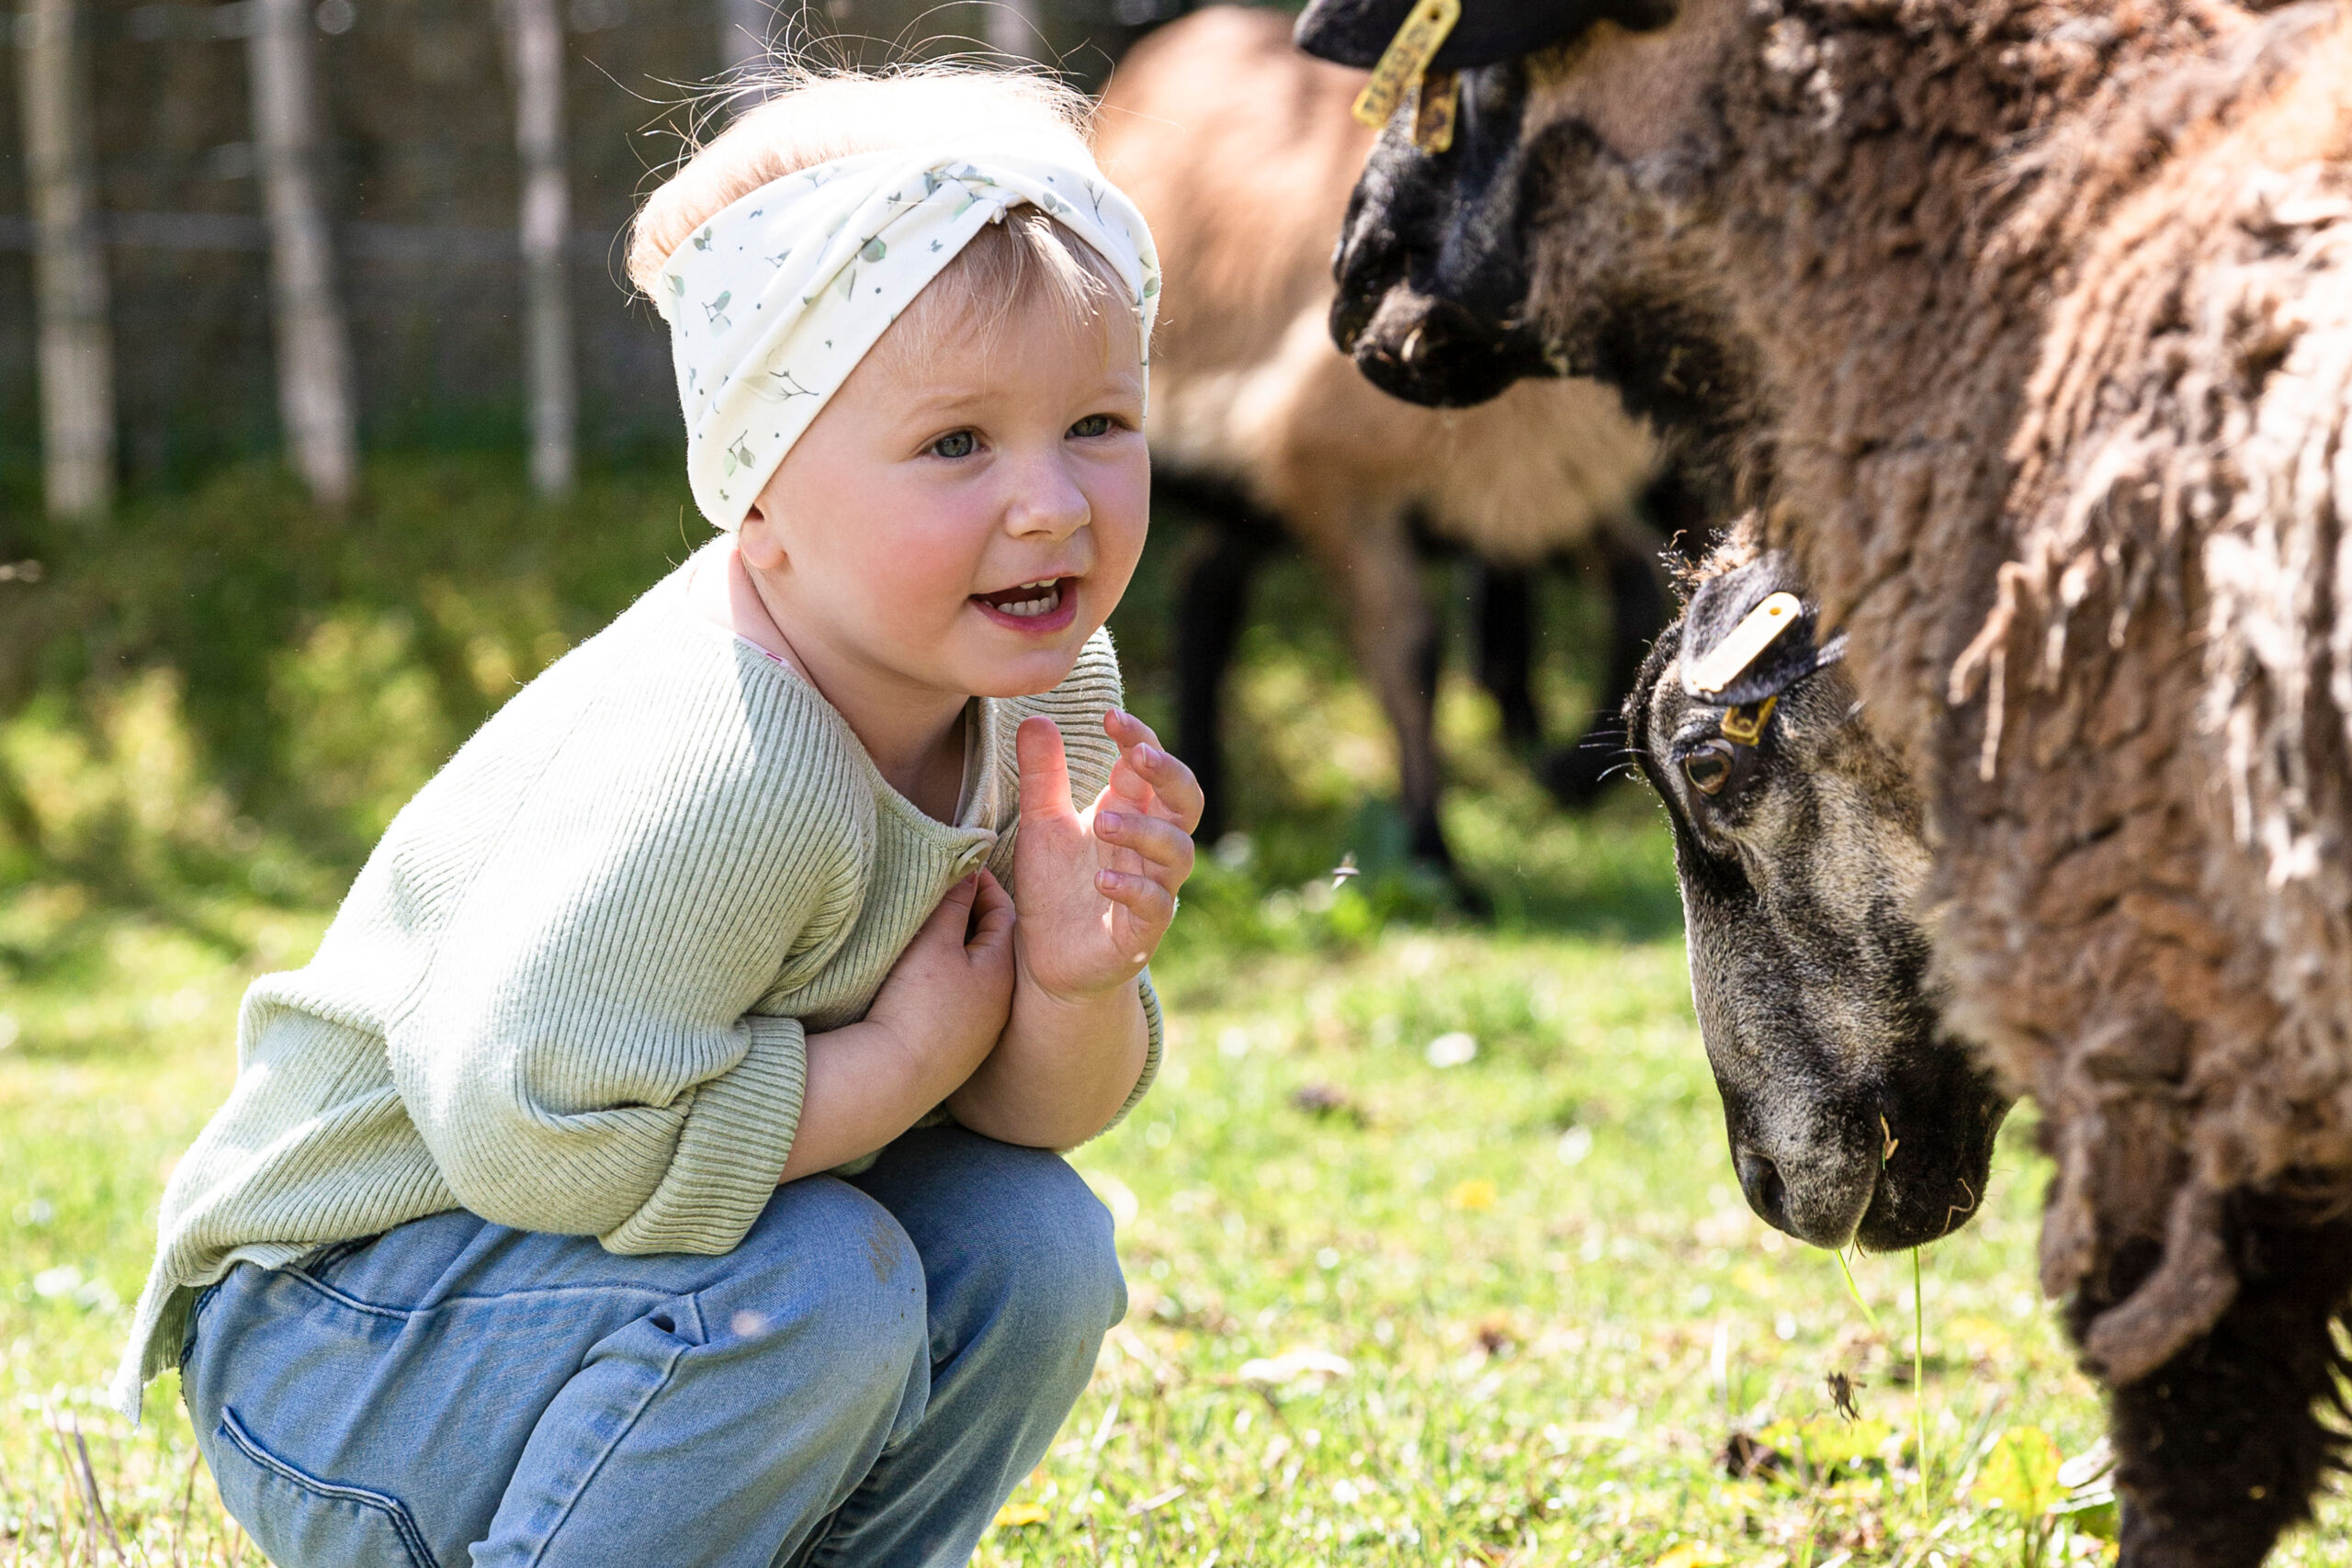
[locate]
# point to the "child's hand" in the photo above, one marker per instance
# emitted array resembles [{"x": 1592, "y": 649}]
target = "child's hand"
[
  {"x": 948, "y": 996},
  {"x": 1098, "y": 887}
]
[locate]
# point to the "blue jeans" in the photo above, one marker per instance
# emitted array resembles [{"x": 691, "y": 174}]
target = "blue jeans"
[{"x": 862, "y": 1380}]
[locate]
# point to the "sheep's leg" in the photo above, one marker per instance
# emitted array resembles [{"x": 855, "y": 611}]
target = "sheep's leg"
[
  {"x": 1212, "y": 603},
  {"x": 2219, "y": 1448},
  {"x": 1637, "y": 613},
  {"x": 1502, "y": 614},
  {"x": 1370, "y": 558}
]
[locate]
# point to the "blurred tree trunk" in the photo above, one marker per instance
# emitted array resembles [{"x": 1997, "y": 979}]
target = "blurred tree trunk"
[
  {"x": 535, "y": 52},
  {"x": 76, "y": 350},
  {"x": 1016, "y": 28},
  {"x": 314, "y": 391},
  {"x": 743, "y": 31}
]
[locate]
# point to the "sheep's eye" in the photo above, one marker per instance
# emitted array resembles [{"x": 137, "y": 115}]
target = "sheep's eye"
[
  {"x": 954, "y": 443},
  {"x": 1709, "y": 768}
]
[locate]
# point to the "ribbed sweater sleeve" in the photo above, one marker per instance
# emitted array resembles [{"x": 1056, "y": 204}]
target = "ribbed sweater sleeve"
[{"x": 579, "y": 1056}]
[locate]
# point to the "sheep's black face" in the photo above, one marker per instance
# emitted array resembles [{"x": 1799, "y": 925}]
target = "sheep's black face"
[
  {"x": 1552, "y": 236},
  {"x": 1852, "y": 1115},
  {"x": 1431, "y": 270}
]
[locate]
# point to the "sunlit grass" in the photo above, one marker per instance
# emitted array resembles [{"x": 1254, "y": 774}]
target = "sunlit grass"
[{"x": 1509, "y": 1310}]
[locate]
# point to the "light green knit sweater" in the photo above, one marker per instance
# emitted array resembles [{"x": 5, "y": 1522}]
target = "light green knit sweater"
[{"x": 568, "y": 991}]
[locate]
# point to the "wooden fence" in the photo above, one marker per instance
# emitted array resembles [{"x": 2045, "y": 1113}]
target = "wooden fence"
[{"x": 222, "y": 255}]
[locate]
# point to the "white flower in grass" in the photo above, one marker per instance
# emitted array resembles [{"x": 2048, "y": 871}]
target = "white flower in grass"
[{"x": 1453, "y": 1049}]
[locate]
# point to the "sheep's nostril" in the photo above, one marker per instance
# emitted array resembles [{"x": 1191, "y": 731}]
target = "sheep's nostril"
[{"x": 1759, "y": 1179}]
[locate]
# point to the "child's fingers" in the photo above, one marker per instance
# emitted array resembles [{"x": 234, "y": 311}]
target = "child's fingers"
[
  {"x": 1127, "y": 729},
  {"x": 953, "y": 917},
  {"x": 1131, "y": 733},
  {"x": 1045, "y": 770},
  {"x": 1160, "y": 842},
  {"x": 1166, "y": 776},
  {"x": 992, "y": 914},
  {"x": 1149, "y": 902}
]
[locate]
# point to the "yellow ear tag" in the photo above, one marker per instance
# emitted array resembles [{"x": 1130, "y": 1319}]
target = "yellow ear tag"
[
  {"x": 1434, "y": 110},
  {"x": 1408, "y": 55},
  {"x": 1729, "y": 658}
]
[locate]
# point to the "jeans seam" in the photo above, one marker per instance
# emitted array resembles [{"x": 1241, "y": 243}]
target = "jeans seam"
[
  {"x": 588, "y": 1476},
  {"x": 343, "y": 1298},
  {"x": 394, "y": 1511},
  {"x": 401, "y": 1314}
]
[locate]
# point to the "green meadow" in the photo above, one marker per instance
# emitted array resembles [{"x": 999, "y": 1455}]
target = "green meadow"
[{"x": 1434, "y": 1251}]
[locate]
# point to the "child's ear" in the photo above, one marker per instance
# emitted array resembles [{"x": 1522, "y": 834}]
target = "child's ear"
[{"x": 756, "y": 541}]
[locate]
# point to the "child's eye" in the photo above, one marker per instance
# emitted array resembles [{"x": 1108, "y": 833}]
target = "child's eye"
[
  {"x": 1092, "y": 424},
  {"x": 955, "y": 444}
]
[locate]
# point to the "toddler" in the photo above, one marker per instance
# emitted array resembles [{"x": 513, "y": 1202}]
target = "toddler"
[{"x": 654, "y": 1166}]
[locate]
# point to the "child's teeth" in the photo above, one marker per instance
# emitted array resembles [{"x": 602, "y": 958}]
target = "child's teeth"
[{"x": 1049, "y": 602}]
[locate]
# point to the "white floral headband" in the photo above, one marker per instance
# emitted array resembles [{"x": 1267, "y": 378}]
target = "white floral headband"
[{"x": 773, "y": 302}]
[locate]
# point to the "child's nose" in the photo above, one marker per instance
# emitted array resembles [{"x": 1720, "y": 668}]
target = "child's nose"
[{"x": 1047, "y": 501}]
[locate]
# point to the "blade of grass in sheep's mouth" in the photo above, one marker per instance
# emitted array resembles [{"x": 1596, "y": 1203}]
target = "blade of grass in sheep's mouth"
[{"x": 1855, "y": 1290}]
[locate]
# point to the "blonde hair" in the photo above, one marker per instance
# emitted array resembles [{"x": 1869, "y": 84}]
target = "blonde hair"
[{"x": 814, "y": 116}]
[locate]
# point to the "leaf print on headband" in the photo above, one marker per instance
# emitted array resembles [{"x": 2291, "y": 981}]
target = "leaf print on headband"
[
  {"x": 779, "y": 387},
  {"x": 736, "y": 456},
  {"x": 715, "y": 311},
  {"x": 873, "y": 250},
  {"x": 702, "y": 241}
]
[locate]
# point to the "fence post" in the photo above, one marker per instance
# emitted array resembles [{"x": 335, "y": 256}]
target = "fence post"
[
  {"x": 535, "y": 52},
  {"x": 313, "y": 344},
  {"x": 76, "y": 351}
]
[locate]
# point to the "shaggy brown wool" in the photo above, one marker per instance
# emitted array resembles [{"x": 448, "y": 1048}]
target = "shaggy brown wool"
[
  {"x": 2053, "y": 312},
  {"x": 2038, "y": 316},
  {"x": 2140, "y": 744}
]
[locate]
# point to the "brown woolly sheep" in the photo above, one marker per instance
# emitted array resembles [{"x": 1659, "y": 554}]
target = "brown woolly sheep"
[
  {"x": 1240, "y": 151},
  {"x": 2037, "y": 315}
]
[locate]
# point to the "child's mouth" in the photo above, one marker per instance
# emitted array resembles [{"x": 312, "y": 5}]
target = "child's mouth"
[{"x": 1045, "y": 605}]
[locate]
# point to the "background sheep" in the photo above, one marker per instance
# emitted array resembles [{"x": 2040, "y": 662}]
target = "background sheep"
[
  {"x": 2037, "y": 314},
  {"x": 1241, "y": 153}
]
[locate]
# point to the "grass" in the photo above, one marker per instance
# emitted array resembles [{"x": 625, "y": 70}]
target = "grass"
[{"x": 1507, "y": 1311}]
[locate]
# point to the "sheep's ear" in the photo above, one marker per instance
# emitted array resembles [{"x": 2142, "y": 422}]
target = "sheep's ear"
[
  {"x": 1355, "y": 32},
  {"x": 1715, "y": 618}
]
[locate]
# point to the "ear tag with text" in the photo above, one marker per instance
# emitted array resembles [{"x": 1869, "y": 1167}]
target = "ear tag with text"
[
  {"x": 1729, "y": 658},
  {"x": 1434, "y": 111},
  {"x": 1405, "y": 58}
]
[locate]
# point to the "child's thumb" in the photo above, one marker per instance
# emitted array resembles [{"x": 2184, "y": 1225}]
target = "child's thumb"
[
  {"x": 992, "y": 923},
  {"x": 1045, "y": 770},
  {"x": 953, "y": 915}
]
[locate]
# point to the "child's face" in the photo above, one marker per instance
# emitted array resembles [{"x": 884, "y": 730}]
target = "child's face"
[{"x": 902, "y": 531}]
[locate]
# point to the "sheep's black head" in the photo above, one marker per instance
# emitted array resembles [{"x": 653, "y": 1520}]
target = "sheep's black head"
[
  {"x": 1432, "y": 272},
  {"x": 1545, "y": 239},
  {"x": 1853, "y": 1116}
]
